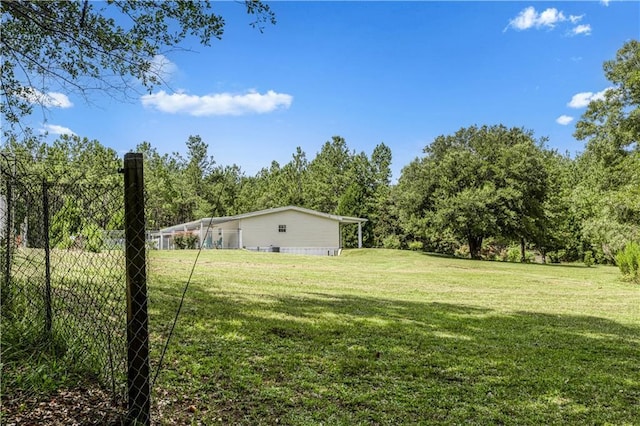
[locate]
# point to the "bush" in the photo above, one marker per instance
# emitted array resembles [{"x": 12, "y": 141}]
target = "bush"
[
  {"x": 391, "y": 242},
  {"x": 462, "y": 251},
  {"x": 416, "y": 245},
  {"x": 191, "y": 241},
  {"x": 628, "y": 261},
  {"x": 554, "y": 257},
  {"x": 513, "y": 254},
  {"x": 185, "y": 241},
  {"x": 93, "y": 238},
  {"x": 493, "y": 248},
  {"x": 588, "y": 258}
]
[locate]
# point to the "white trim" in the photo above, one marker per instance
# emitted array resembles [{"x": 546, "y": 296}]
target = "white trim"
[{"x": 217, "y": 220}]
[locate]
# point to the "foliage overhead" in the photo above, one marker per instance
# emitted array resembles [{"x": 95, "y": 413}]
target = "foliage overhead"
[{"x": 52, "y": 47}]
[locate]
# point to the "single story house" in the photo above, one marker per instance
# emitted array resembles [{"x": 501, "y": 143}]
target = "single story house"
[{"x": 287, "y": 229}]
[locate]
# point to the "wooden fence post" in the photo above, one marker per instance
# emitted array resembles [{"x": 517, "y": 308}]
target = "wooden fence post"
[{"x": 139, "y": 392}]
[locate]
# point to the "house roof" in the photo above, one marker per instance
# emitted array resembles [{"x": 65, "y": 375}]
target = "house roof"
[{"x": 217, "y": 220}]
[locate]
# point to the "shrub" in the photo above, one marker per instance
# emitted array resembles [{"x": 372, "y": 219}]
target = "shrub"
[
  {"x": 493, "y": 248},
  {"x": 588, "y": 258},
  {"x": 391, "y": 242},
  {"x": 93, "y": 238},
  {"x": 185, "y": 241},
  {"x": 563, "y": 256},
  {"x": 462, "y": 251},
  {"x": 628, "y": 261},
  {"x": 554, "y": 257},
  {"x": 441, "y": 242},
  {"x": 179, "y": 241},
  {"x": 191, "y": 241},
  {"x": 513, "y": 254},
  {"x": 416, "y": 245}
]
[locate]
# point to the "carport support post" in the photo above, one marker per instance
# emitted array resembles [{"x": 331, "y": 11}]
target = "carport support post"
[
  {"x": 359, "y": 234},
  {"x": 139, "y": 395}
]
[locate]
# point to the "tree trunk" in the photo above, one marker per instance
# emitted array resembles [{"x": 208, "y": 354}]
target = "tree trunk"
[
  {"x": 475, "y": 244},
  {"x": 523, "y": 254}
]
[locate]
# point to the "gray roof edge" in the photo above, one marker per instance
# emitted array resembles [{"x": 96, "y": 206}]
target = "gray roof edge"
[
  {"x": 206, "y": 220},
  {"x": 343, "y": 219}
]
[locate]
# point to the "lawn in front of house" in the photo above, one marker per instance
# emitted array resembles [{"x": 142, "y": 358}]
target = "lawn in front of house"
[{"x": 392, "y": 337}]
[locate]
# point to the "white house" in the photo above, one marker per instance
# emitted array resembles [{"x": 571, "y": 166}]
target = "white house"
[{"x": 287, "y": 229}]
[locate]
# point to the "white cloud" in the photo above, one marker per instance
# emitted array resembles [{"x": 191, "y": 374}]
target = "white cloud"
[
  {"x": 51, "y": 99},
  {"x": 218, "y": 103},
  {"x": 530, "y": 18},
  {"x": 525, "y": 20},
  {"x": 605, "y": 2},
  {"x": 575, "y": 18},
  {"x": 564, "y": 120},
  {"x": 581, "y": 29},
  {"x": 54, "y": 129},
  {"x": 162, "y": 67},
  {"x": 581, "y": 100},
  {"x": 550, "y": 17}
]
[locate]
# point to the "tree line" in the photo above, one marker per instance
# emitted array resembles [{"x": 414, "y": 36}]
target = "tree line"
[{"x": 484, "y": 192}]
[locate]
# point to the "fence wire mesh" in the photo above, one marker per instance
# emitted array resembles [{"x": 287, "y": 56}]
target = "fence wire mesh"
[{"x": 65, "y": 315}]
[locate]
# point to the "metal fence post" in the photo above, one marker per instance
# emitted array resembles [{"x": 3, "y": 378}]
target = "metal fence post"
[
  {"x": 6, "y": 287},
  {"x": 139, "y": 393}
]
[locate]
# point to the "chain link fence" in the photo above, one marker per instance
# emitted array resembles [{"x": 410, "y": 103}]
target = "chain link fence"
[{"x": 73, "y": 293}]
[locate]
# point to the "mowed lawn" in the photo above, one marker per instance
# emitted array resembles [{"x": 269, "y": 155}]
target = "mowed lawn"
[{"x": 392, "y": 337}]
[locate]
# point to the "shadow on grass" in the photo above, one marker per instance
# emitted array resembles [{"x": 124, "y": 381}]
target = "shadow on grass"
[{"x": 336, "y": 359}]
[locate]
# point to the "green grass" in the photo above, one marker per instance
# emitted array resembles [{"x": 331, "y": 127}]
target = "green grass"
[
  {"x": 391, "y": 337},
  {"x": 87, "y": 339}
]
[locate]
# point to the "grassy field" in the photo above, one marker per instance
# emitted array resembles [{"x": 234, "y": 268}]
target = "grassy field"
[{"x": 390, "y": 337}]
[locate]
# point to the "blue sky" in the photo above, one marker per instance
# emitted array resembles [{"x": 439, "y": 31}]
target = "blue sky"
[{"x": 401, "y": 73}]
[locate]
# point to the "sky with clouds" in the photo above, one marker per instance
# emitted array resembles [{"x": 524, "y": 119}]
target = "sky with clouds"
[{"x": 401, "y": 73}]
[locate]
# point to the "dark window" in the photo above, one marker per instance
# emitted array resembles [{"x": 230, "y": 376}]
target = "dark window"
[{"x": 282, "y": 228}]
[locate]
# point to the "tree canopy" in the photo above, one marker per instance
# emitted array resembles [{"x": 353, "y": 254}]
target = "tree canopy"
[
  {"x": 53, "y": 47},
  {"x": 608, "y": 192},
  {"x": 480, "y": 182}
]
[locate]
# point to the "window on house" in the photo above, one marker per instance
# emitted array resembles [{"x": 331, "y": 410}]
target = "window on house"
[{"x": 282, "y": 228}]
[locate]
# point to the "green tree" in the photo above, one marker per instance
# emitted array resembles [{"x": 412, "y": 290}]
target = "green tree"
[
  {"x": 80, "y": 46},
  {"x": 382, "y": 215},
  {"x": 162, "y": 187},
  {"x": 82, "y": 184},
  {"x": 560, "y": 228},
  {"x": 356, "y": 199},
  {"x": 612, "y": 124},
  {"x": 225, "y": 184},
  {"x": 608, "y": 191},
  {"x": 328, "y": 176},
  {"x": 294, "y": 175},
  {"x": 479, "y": 182}
]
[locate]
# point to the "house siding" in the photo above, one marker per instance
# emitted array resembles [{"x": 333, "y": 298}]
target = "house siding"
[{"x": 303, "y": 230}]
